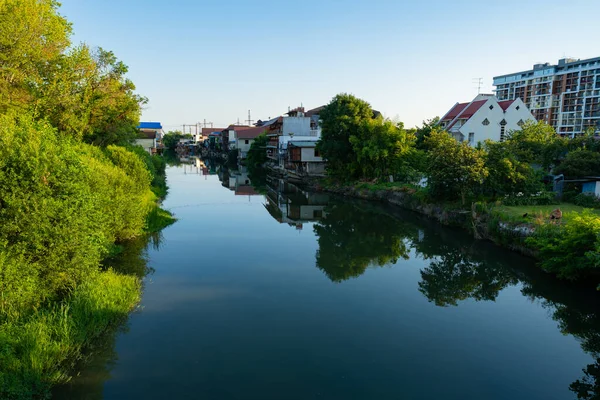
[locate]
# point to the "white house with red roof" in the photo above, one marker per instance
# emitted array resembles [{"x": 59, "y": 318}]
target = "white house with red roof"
[{"x": 485, "y": 118}]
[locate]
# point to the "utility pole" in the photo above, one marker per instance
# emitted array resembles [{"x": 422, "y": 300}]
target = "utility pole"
[{"x": 249, "y": 120}]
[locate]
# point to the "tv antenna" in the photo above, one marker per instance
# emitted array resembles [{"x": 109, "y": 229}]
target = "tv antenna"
[{"x": 479, "y": 83}]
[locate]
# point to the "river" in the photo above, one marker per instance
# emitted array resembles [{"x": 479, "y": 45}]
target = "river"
[{"x": 289, "y": 295}]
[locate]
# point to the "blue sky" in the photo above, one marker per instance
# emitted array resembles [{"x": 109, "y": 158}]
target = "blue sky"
[{"x": 215, "y": 60}]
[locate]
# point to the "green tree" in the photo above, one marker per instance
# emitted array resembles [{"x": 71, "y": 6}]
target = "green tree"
[
  {"x": 341, "y": 119},
  {"x": 506, "y": 174},
  {"x": 579, "y": 163},
  {"x": 257, "y": 154},
  {"x": 381, "y": 148},
  {"x": 538, "y": 143},
  {"x": 422, "y": 133},
  {"x": 455, "y": 170},
  {"x": 33, "y": 36},
  {"x": 171, "y": 138}
]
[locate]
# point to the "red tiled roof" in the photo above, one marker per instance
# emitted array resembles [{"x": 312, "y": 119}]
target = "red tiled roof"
[
  {"x": 505, "y": 104},
  {"x": 250, "y": 133},
  {"x": 454, "y": 111},
  {"x": 469, "y": 111},
  {"x": 472, "y": 109},
  {"x": 237, "y": 127},
  {"x": 314, "y": 111}
]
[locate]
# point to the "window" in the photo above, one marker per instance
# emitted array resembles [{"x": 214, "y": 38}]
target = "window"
[
  {"x": 502, "y": 129},
  {"x": 485, "y": 122},
  {"x": 471, "y": 137},
  {"x": 517, "y": 108},
  {"x": 317, "y": 214},
  {"x": 520, "y": 123},
  {"x": 246, "y": 141},
  {"x": 491, "y": 107},
  {"x": 317, "y": 154}
]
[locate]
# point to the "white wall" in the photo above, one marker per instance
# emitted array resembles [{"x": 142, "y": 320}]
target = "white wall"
[
  {"x": 513, "y": 116},
  {"x": 147, "y": 144},
  {"x": 308, "y": 155},
  {"x": 299, "y": 126},
  {"x": 243, "y": 147},
  {"x": 495, "y": 116},
  {"x": 475, "y": 123}
]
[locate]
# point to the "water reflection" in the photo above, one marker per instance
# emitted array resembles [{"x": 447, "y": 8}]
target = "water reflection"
[
  {"x": 353, "y": 236},
  {"x": 290, "y": 205},
  {"x": 95, "y": 368}
]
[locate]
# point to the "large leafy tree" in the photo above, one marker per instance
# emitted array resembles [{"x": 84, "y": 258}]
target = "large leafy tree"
[
  {"x": 579, "y": 163},
  {"x": 341, "y": 119},
  {"x": 454, "y": 169},
  {"x": 506, "y": 173},
  {"x": 33, "y": 36},
  {"x": 381, "y": 148},
  {"x": 537, "y": 142}
]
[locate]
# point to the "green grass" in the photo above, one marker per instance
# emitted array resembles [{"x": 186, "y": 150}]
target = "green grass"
[
  {"x": 37, "y": 351},
  {"x": 515, "y": 213}
]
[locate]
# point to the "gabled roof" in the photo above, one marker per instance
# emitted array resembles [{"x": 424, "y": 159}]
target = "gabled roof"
[
  {"x": 237, "y": 127},
  {"x": 468, "y": 111},
  {"x": 505, "y": 104},
  {"x": 150, "y": 125},
  {"x": 250, "y": 133},
  {"x": 453, "y": 113}
]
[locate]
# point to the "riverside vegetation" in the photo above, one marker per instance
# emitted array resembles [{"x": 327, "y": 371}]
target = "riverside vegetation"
[
  {"x": 500, "y": 183},
  {"x": 72, "y": 187}
]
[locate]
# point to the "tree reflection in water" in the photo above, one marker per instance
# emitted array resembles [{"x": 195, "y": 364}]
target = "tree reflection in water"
[{"x": 352, "y": 238}]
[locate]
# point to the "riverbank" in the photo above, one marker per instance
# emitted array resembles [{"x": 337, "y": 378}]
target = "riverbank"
[
  {"x": 572, "y": 238},
  {"x": 66, "y": 209}
]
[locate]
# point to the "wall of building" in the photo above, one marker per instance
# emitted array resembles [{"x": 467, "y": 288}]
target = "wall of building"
[
  {"x": 484, "y": 132},
  {"x": 243, "y": 146},
  {"x": 308, "y": 155},
  {"x": 299, "y": 126},
  {"x": 147, "y": 144}
]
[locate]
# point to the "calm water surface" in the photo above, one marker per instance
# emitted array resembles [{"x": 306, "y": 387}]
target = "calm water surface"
[{"x": 295, "y": 296}]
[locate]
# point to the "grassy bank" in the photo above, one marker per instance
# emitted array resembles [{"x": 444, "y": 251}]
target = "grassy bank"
[
  {"x": 65, "y": 206},
  {"x": 39, "y": 349}
]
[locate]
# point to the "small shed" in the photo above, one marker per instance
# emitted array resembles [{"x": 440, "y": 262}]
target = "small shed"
[{"x": 591, "y": 186}]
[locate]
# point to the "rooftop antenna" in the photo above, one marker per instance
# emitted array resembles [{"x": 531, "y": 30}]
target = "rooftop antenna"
[
  {"x": 479, "y": 82},
  {"x": 238, "y": 121},
  {"x": 249, "y": 120}
]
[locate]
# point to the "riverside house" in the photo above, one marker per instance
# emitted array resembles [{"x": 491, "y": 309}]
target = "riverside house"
[
  {"x": 150, "y": 136},
  {"x": 485, "y": 118}
]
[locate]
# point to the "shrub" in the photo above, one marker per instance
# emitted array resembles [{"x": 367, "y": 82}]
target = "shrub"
[
  {"x": 586, "y": 200},
  {"x": 569, "y": 250}
]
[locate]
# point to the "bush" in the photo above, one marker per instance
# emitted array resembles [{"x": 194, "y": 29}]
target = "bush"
[
  {"x": 62, "y": 204},
  {"x": 569, "y": 250},
  {"x": 537, "y": 199},
  {"x": 586, "y": 200}
]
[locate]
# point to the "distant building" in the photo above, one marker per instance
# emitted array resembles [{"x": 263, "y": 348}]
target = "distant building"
[
  {"x": 485, "y": 118},
  {"x": 296, "y": 125},
  {"x": 304, "y": 158},
  {"x": 245, "y": 138},
  {"x": 565, "y": 95},
  {"x": 150, "y": 135},
  {"x": 205, "y": 133}
]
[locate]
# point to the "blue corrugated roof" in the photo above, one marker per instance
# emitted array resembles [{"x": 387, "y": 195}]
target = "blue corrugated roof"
[{"x": 150, "y": 125}]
